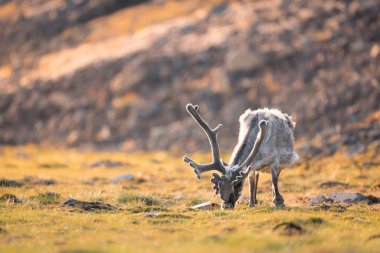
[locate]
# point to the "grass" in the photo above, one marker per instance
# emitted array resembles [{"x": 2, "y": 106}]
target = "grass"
[
  {"x": 128, "y": 198},
  {"x": 48, "y": 198},
  {"x": 153, "y": 215}
]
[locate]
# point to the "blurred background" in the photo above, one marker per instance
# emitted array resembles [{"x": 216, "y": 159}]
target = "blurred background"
[{"x": 117, "y": 74}]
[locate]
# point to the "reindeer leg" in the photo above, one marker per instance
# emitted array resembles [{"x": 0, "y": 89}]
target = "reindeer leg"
[
  {"x": 278, "y": 201},
  {"x": 257, "y": 182},
  {"x": 253, "y": 180}
]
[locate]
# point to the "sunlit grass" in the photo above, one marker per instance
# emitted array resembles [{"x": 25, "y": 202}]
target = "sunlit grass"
[{"x": 154, "y": 215}]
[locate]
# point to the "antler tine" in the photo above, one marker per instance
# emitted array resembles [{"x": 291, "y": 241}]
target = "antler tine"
[
  {"x": 243, "y": 174},
  {"x": 263, "y": 128},
  {"x": 212, "y": 137}
]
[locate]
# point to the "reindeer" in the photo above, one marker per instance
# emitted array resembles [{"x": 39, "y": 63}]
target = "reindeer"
[{"x": 265, "y": 143}]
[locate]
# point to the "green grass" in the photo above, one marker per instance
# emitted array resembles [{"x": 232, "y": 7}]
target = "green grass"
[
  {"x": 128, "y": 198},
  {"x": 48, "y": 198},
  {"x": 154, "y": 215}
]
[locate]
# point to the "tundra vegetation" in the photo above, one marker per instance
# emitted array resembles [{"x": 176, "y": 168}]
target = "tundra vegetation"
[{"x": 151, "y": 211}]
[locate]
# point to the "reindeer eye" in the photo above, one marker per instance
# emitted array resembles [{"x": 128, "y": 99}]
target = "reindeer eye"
[{"x": 238, "y": 185}]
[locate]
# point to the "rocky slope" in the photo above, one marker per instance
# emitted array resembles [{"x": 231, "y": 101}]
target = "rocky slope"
[{"x": 118, "y": 75}]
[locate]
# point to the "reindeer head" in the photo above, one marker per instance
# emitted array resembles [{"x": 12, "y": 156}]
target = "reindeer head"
[{"x": 230, "y": 182}]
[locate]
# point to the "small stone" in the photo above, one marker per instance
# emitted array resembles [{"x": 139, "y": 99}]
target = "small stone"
[
  {"x": 106, "y": 163},
  {"x": 205, "y": 206},
  {"x": 318, "y": 200},
  {"x": 152, "y": 214},
  {"x": 122, "y": 178},
  {"x": 347, "y": 197},
  {"x": 178, "y": 197},
  {"x": 69, "y": 202}
]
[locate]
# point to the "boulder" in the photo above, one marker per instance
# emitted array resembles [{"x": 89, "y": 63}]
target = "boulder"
[
  {"x": 347, "y": 197},
  {"x": 318, "y": 200}
]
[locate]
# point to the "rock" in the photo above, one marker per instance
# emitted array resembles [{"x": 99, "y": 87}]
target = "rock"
[
  {"x": 347, "y": 197},
  {"x": 152, "y": 214},
  {"x": 178, "y": 197},
  {"x": 122, "y": 178},
  {"x": 245, "y": 50},
  {"x": 205, "y": 206},
  {"x": 373, "y": 200},
  {"x": 318, "y": 200},
  {"x": 88, "y": 206},
  {"x": 106, "y": 163}
]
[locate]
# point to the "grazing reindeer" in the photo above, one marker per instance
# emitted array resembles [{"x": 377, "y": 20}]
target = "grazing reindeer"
[{"x": 265, "y": 140}]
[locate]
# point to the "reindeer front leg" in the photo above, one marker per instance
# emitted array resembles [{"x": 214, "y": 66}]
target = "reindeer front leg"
[
  {"x": 253, "y": 181},
  {"x": 278, "y": 201}
]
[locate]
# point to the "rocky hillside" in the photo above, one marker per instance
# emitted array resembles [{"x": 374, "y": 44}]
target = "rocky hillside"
[{"x": 118, "y": 74}]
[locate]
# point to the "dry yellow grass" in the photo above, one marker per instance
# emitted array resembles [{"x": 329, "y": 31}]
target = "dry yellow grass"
[{"x": 170, "y": 188}]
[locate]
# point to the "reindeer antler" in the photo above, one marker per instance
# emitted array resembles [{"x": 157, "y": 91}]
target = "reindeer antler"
[
  {"x": 212, "y": 137},
  {"x": 259, "y": 139}
]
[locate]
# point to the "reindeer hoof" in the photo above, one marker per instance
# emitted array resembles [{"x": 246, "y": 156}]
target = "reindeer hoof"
[
  {"x": 252, "y": 203},
  {"x": 278, "y": 203}
]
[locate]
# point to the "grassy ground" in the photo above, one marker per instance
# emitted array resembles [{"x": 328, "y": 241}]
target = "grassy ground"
[{"x": 153, "y": 213}]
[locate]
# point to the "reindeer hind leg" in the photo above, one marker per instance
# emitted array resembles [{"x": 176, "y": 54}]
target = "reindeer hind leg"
[{"x": 278, "y": 201}]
